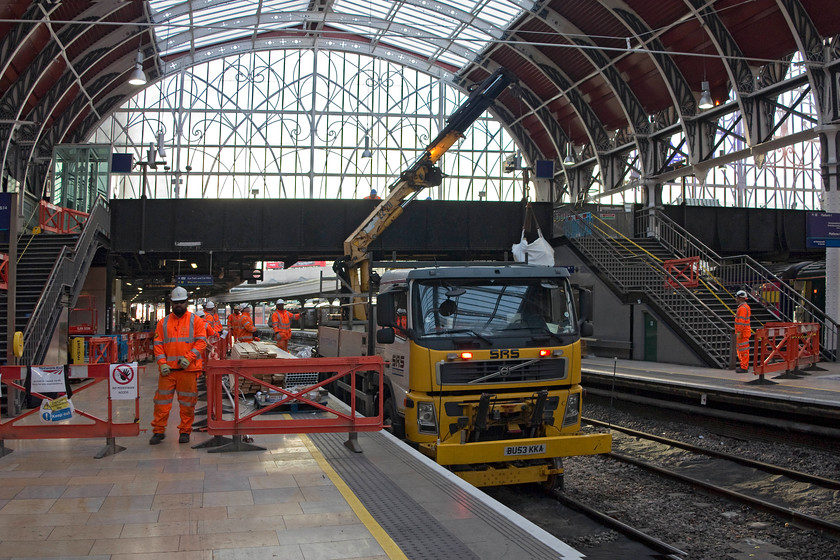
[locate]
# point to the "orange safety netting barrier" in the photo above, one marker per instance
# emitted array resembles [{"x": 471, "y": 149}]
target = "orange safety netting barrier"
[
  {"x": 261, "y": 421},
  {"x": 785, "y": 347},
  {"x": 60, "y": 220},
  {"x": 684, "y": 271},
  {"x": 15, "y": 428},
  {"x": 4, "y": 271}
]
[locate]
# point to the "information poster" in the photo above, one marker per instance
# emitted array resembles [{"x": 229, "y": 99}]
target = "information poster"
[{"x": 48, "y": 379}]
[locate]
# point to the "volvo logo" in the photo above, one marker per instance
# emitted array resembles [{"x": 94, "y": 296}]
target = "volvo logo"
[{"x": 504, "y": 371}]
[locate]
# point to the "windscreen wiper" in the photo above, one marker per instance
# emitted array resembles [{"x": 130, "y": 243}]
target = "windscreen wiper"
[{"x": 466, "y": 331}]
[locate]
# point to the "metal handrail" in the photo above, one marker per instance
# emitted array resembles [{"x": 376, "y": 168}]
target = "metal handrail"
[
  {"x": 702, "y": 324},
  {"x": 65, "y": 281},
  {"x": 739, "y": 272}
]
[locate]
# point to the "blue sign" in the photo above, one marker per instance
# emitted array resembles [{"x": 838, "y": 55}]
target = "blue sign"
[
  {"x": 194, "y": 280},
  {"x": 5, "y": 211},
  {"x": 822, "y": 229}
]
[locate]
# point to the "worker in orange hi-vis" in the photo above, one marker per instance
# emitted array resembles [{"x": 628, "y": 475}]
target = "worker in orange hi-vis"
[
  {"x": 180, "y": 340},
  {"x": 247, "y": 328},
  {"x": 742, "y": 331},
  {"x": 234, "y": 324},
  {"x": 281, "y": 322}
]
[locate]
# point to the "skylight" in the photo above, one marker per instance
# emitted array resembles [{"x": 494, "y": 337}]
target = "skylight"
[{"x": 446, "y": 31}]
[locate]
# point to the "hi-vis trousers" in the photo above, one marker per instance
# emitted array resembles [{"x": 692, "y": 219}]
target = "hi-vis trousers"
[{"x": 185, "y": 383}]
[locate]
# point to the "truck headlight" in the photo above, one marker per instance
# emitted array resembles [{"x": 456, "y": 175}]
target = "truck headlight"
[
  {"x": 426, "y": 420},
  {"x": 572, "y": 414}
]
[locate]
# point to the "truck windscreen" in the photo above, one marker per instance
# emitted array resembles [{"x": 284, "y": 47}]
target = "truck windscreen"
[{"x": 492, "y": 307}]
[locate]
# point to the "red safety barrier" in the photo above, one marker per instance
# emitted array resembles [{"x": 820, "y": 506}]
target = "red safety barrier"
[
  {"x": 19, "y": 428},
  {"x": 4, "y": 271},
  {"x": 131, "y": 341},
  {"x": 60, "y": 220},
  {"x": 102, "y": 350},
  {"x": 684, "y": 271},
  {"x": 259, "y": 422},
  {"x": 784, "y": 347}
]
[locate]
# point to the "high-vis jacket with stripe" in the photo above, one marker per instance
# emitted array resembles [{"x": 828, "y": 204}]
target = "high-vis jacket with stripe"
[
  {"x": 742, "y": 321},
  {"x": 176, "y": 337},
  {"x": 212, "y": 320},
  {"x": 281, "y": 322}
]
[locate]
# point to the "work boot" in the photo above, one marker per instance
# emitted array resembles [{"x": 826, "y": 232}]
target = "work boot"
[
  {"x": 741, "y": 370},
  {"x": 184, "y": 438},
  {"x": 156, "y": 439}
]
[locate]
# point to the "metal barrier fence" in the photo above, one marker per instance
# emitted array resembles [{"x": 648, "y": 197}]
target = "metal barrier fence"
[
  {"x": 15, "y": 428},
  {"x": 60, "y": 220},
  {"x": 222, "y": 374},
  {"x": 787, "y": 348}
]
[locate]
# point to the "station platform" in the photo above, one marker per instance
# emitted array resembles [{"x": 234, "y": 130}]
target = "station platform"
[
  {"x": 305, "y": 497},
  {"x": 816, "y": 394}
]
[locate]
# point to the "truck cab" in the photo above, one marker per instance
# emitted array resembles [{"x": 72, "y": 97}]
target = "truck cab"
[{"x": 483, "y": 369}]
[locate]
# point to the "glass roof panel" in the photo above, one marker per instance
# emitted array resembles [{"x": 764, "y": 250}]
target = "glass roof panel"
[{"x": 420, "y": 25}]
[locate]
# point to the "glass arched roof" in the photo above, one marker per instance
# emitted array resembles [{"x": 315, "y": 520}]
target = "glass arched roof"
[{"x": 449, "y": 34}]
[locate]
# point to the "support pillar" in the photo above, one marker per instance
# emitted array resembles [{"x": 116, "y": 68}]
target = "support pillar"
[
  {"x": 830, "y": 170},
  {"x": 652, "y": 193}
]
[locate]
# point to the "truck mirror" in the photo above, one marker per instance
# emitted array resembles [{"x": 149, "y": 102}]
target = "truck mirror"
[
  {"x": 585, "y": 303},
  {"x": 386, "y": 313},
  {"x": 586, "y": 329},
  {"x": 385, "y": 336}
]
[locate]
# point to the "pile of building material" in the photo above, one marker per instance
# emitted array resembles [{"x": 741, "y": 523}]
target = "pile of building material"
[{"x": 258, "y": 351}]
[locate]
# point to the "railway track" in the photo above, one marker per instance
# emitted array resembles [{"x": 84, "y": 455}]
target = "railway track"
[
  {"x": 580, "y": 524},
  {"x": 793, "y": 496}
]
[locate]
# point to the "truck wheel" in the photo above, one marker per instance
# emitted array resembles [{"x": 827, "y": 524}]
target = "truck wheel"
[
  {"x": 554, "y": 481},
  {"x": 390, "y": 416}
]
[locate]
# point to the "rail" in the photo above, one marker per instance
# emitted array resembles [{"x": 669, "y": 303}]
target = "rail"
[
  {"x": 631, "y": 269},
  {"x": 742, "y": 272},
  {"x": 64, "y": 284}
]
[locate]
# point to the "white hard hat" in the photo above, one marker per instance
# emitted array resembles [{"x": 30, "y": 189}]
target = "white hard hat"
[
  {"x": 209, "y": 305},
  {"x": 199, "y": 312},
  {"x": 280, "y": 301},
  {"x": 741, "y": 294},
  {"x": 178, "y": 294},
  {"x": 236, "y": 307}
]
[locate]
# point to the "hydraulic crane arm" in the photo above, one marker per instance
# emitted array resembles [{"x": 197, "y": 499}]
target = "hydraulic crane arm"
[{"x": 423, "y": 172}]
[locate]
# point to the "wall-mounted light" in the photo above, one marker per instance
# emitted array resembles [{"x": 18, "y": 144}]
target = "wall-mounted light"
[
  {"x": 705, "y": 97},
  {"x": 138, "y": 77}
]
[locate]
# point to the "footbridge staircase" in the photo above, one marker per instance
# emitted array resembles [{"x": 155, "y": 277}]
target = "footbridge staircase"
[
  {"x": 51, "y": 271},
  {"x": 686, "y": 283}
]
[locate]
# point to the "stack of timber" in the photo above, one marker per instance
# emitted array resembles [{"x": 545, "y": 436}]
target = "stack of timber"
[{"x": 259, "y": 351}]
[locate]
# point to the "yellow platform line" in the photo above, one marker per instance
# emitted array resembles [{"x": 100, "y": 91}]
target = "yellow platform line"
[{"x": 382, "y": 537}]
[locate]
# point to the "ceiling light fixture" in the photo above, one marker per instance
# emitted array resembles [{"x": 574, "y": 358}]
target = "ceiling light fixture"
[
  {"x": 569, "y": 159},
  {"x": 138, "y": 77},
  {"x": 366, "y": 153},
  {"x": 705, "y": 97}
]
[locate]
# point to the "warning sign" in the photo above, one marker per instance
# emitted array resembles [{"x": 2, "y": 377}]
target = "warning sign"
[
  {"x": 48, "y": 379},
  {"x": 123, "y": 381}
]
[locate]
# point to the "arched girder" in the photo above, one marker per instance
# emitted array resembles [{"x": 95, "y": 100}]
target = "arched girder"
[
  {"x": 753, "y": 109},
  {"x": 23, "y": 88},
  {"x": 517, "y": 131},
  {"x": 630, "y": 104},
  {"x": 538, "y": 108},
  {"x": 17, "y": 39},
  {"x": 677, "y": 85},
  {"x": 348, "y": 44},
  {"x": 592, "y": 125},
  {"x": 325, "y": 18},
  {"x": 48, "y": 104},
  {"x": 810, "y": 44}
]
